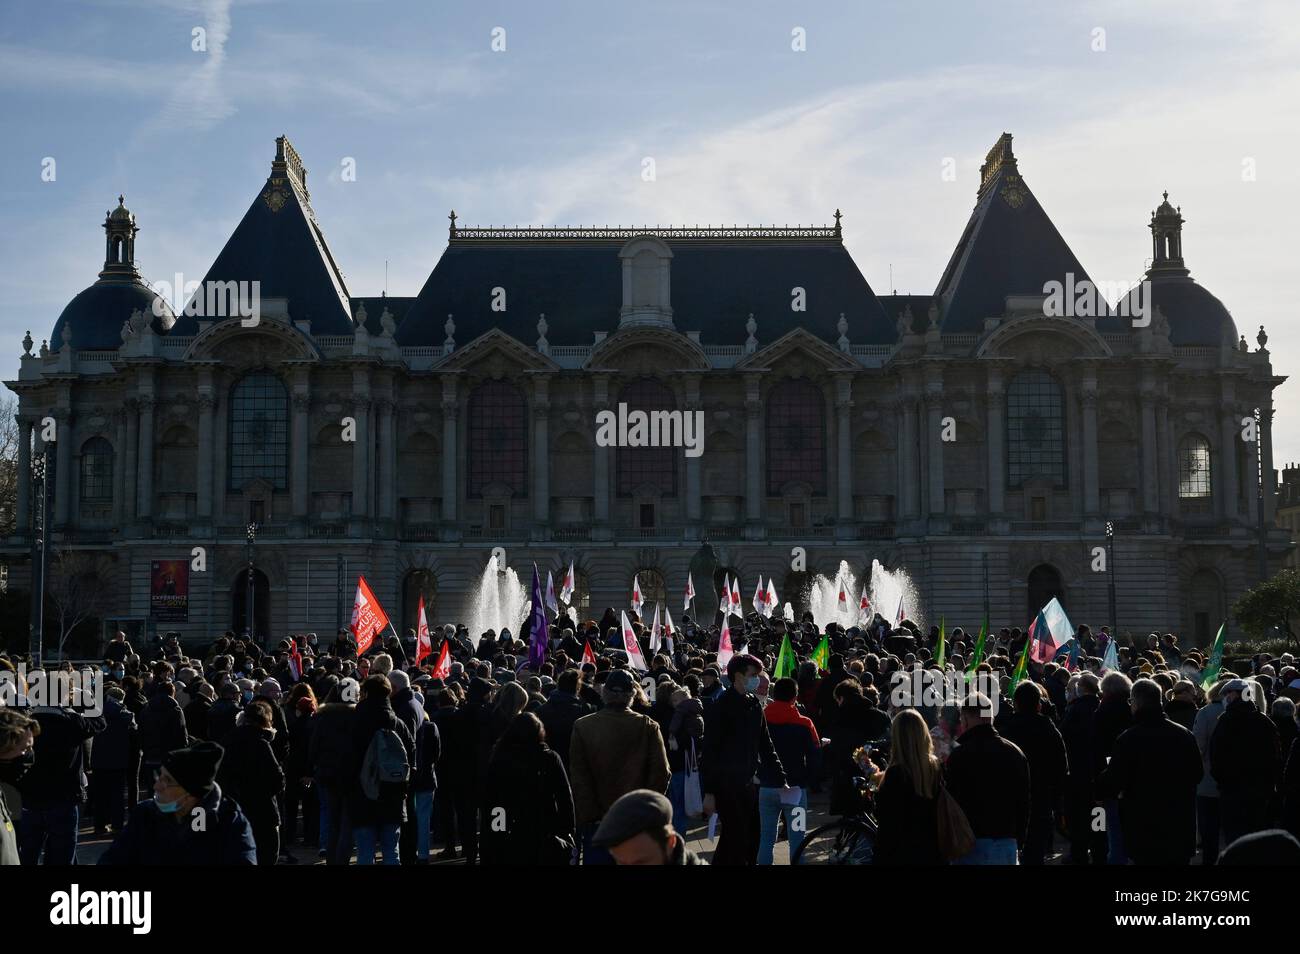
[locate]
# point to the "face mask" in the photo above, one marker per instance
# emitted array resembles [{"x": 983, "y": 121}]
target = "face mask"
[
  {"x": 167, "y": 808},
  {"x": 751, "y": 684},
  {"x": 118, "y": 674},
  {"x": 248, "y": 696},
  {"x": 14, "y": 769}
]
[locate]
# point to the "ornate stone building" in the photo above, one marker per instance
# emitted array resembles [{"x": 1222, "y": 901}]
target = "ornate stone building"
[{"x": 410, "y": 436}]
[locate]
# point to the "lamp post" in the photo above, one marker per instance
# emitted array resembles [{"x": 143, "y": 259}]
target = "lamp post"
[
  {"x": 249, "y": 593},
  {"x": 36, "y": 639},
  {"x": 1259, "y": 494},
  {"x": 1110, "y": 574}
]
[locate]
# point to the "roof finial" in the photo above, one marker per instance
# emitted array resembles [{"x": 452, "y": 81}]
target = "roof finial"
[
  {"x": 837, "y": 221},
  {"x": 452, "y": 230},
  {"x": 121, "y": 199}
]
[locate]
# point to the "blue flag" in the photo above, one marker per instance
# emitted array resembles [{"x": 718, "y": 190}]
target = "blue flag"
[{"x": 537, "y": 633}]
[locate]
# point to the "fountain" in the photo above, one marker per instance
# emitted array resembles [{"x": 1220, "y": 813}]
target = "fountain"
[
  {"x": 501, "y": 601},
  {"x": 887, "y": 587}
]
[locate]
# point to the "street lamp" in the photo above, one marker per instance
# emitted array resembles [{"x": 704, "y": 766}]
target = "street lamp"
[
  {"x": 249, "y": 593},
  {"x": 40, "y": 472},
  {"x": 1110, "y": 574},
  {"x": 1259, "y": 494}
]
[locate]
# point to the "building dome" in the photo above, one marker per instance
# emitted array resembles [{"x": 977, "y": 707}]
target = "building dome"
[
  {"x": 93, "y": 320},
  {"x": 95, "y": 315},
  {"x": 1195, "y": 316}
]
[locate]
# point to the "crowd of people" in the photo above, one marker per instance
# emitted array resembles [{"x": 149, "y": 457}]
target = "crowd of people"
[{"x": 239, "y": 753}]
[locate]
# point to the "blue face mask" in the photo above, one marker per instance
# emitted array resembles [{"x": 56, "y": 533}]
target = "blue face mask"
[
  {"x": 167, "y": 808},
  {"x": 248, "y": 696},
  {"x": 751, "y": 684}
]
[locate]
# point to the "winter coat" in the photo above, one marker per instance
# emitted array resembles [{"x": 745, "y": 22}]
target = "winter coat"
[
  {"x": 1041, "y": 742},
  {"x": 154, "y": 838},
  {"x": 300, "y": 732},
  {"x": 558, "y": 715},
  {"x": 221, "y": 719},
  {"x": 736, "y": 742},
  {"x": 989, "y": 778},
  {"x": 329, "y": 750},
  {"x": 796, "y": 742},
  {"x": 58, "y": 779},
  {"x": 428, "y": 749},
  {"x": 528, "y": 787},
  {"x": 1153, "y": 771},
  {"x": 611, "y": 753},
  {"x": 685, "y": 727},
  {"x": 1203, "y": 730},
  {"x": 1077, "y": 731},
  {"x": 1112, "y": 718},
  {"x": 1244, "y": 753},
  {"x": 908, "y": 823},
  {"x": 250, "y": 773},
  {"x": 117, "y": 748},
  {"x": 162, "y": 729},
  {"x": 196, "y": 717},
  {"x": 371, "y": 716}
]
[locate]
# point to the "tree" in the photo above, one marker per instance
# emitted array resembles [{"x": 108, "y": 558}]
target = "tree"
[
  {"x": 8, "y": 464},
  {"x": 1272, "y": 603},
  {"x": 77, "y": 589}
]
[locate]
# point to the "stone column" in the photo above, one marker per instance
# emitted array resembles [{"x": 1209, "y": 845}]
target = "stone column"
[
  {"x": 753, "y": 449},
  {"x": 63, "y": 467},
  {"x": 694, "y": 510},
  {"x": 1270, "y": 477},
  {"x": 600, "y": 461},
  {"x": 934, "y": 448},
  {"x": 844, "y": 445},
  {"x": 1168, "y": 463},
  {"x": 1225, "y": 479},
  {"x": 23, "y": 514},
  {"x": 387, "y": 459},
  {"x": 301, "y": 468},
  {"x": 1150, "y": 455},
  {"x": 450, "y": 453},
  {"x": 131, "y": 463},
  {"x": 541, "y": 449},
  {"x": 911, "y": 490},
  {"x": 207, "y": 440},
  {"x": 995, "y": 431},
  {"x": 361, "y": 477},
  {"x": 145, "y": 476},
  {"x": 1088, "y": 401}
]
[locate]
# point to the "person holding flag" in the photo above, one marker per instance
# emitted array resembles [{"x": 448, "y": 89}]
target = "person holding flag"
[
  {"x": 295, "y": 660},
  {"x": 940, "y": 648}
]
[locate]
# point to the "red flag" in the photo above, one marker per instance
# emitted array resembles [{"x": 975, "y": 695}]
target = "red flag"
[
  {"x": 442, "y": 668},
  {"x": 587, "y": 655},
  {"x": 368, "y": 617},
  {"x": 423, "y": 644}
]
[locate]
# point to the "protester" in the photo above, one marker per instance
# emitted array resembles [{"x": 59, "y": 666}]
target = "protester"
[
  {"x": 383, "y": 752},
  {"x": 251, "y": 775},
  {"x": 637, "y": 830},
  {"x": 907, "y": 800},
  {"x": 114, "y": 764},
  {"x": 1244, "y": 759},
  {"x": 1207, "y": 790},
  {"x": 1038, "y": 738},
  {"x": 795, "y": 739},
  {"x": 18, "y": 732},
  {"x": 528, "y": 800},
  {"x": 989, "y": 778}
]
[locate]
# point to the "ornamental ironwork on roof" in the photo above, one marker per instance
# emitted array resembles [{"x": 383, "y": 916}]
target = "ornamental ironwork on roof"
[{"x": 619, "y": 233}]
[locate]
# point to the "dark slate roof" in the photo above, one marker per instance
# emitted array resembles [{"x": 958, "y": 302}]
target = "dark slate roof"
[
  {"x": 894, "y": 305},
  {"x": 375, "y": 305},
  {"x": 1195, "y": 316},
  {"x": 96, "y": 314},
  {"x": 279, "y": 243},
  {"x": 1009, "y": 247},
  {"x": 577, "y": 281}
]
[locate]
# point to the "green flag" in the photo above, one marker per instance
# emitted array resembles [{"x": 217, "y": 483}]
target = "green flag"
[
  {"x": 979, "y": 646},
  {"x": 1216, "y": 660},
  {"x": 939, "y": 649},
  {"x": 785, "y": 661},
  {"x": 822, "y": 654},
  {"x": 1019, "y": 674}
]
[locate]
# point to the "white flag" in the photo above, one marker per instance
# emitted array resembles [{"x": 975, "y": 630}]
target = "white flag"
[
  {"x": 725, "y": 605},
  {"x": 551, "y": 603},
  {"x": 864, "y": 607},
  {"x": 633, "y": 649},
  {"x": 724, "y": 646},
  {"x": 690, "y": 593},
  {"x": 654, "y": 632},
  {"x": 637, "y": 602},
  {"x": 844, "y": 597},
  {"x": 566, "y": 588},
  {"x": 771, "y": 598},
  {"x": 668, "y": 631},
  {"x": 760, "y": 597}
]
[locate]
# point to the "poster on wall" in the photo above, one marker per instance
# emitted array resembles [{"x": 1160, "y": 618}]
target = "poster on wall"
[{"x": 169, "y": 591}]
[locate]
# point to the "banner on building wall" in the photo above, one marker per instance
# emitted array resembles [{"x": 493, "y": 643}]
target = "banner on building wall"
[{"x": 169, "y": 591}]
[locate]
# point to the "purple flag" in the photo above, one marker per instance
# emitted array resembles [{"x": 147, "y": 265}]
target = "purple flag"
[{"x": 537, "y": 633}]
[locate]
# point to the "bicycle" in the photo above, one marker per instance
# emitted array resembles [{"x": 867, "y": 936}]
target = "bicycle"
[{"x": 851, "y": 839}]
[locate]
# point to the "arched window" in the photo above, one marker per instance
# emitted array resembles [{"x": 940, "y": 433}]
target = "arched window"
[
  {"x": 419, "y": 583},
  {"x": 498, "y": 438},
  {"x": 1044, "y": 584},
  {"x": 259, "y": 431},
  {"x": 581, "y": 596},
  {"x": 796, "y": 436},
  {"x": 647, "y": 465},
  {"x": 96, "y": 470},
  {"x": 1035, "y": 430},
  {"x": 1194, "y": 468},
  {"x": 654, "y": 593}
]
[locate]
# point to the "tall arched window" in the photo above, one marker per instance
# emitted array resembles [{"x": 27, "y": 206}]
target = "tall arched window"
[
  {"x": 259, "y": 431},
  {"x": 96, "y": 470},
  {"x": 1194, "y": 479},
  {"x": 415, "y": 584},
  {"x": 647, "y": 465},
  {"x": 1035, "y": 430},
  {"x": 654, "y": 592},
  {"x": 498, "y": 438},
  {"x": 796, "y": 436}
]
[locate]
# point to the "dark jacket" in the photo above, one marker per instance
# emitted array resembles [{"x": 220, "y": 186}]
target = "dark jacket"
[
  {"x": 989, "y": 777},
  {"x": 371, "y": 716},
  {"x": 1154, "y": 769},
  {"x": 196, "y": 717},
  {"x": 428, "y": 749},
  {"x": 1244, "y": 753},
  {"x": 117, "y": 748},
  {"x": 1182, "y": 711},
  {"x": 1077, "y": 731},
  {"x": 153, "y": 838},
  {"x": 250, "y": 773},
  {"x": 162, "y": 729},
  {"x": 528, "y": 787},
  {"x": 796, "y": 742},
  {"x": 850, "y": 724},
  {"x": 736, "y": 741},
  {"x": 329, "y": 750},
  {"x": 559, "y": 713},
  {"x": 221, "y": 719},
  {"x": 1038, "y": 738},
  {"x": 57, "y": 778},
  {"x": 909, "y": 823},
  {"x": 1113, "y": 717},
  {"x": 301, "y": 726},
  {"x": 408, "y": 709}
]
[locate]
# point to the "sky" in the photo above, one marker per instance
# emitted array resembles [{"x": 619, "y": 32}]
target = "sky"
[{"x": 1110, "y": 103}]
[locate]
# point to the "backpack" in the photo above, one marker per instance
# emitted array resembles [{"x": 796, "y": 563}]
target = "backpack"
[{"x": 385, "y": 762}]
